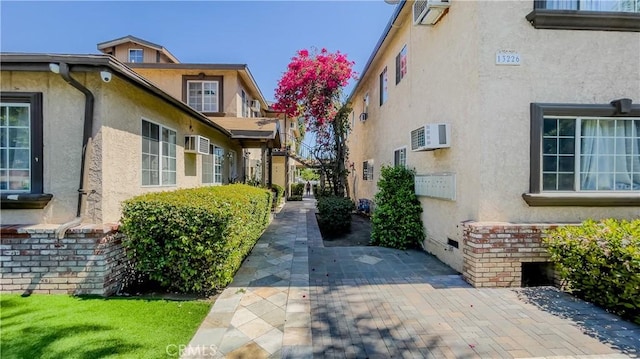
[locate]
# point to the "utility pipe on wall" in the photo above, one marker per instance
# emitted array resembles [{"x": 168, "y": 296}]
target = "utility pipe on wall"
[{"x": 63, "y": 69}]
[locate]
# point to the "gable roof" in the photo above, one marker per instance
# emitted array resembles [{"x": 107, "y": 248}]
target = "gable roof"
[
  {"x": 95, "y": 63},
  {"x": 243, "y": 69},
  {"x": 137, "y": 40}
]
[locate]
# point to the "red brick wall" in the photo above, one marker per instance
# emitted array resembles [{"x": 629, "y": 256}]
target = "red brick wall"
[
  {"x": 494, "y": 252},
  {"x": 89, "y": 260}
]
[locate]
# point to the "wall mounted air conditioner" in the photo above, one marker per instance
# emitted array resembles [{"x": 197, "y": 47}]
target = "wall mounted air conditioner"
[
  {"x": 255, "y": 105},
  {"x": 431, "y": 136},
  {"x": 428, "y": 12},
  {"x": 196, "y": 144}
]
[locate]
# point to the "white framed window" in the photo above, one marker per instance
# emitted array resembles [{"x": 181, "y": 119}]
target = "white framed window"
[
  {"x": 367, "y": 170},
  {"x": 233, "y": 173},
  {"x": 136, "y": 55},
  {"x": 245, "y": 103},
  {"x": 400, "y": 157},
  {"x": 203, "y": 95},
  {"x": 218, "y": 154},
  {"x": 590, "y": 153},
  {"x": 158, "y": 154},
  {"x": 207, "y": 166},
  {"x": 15, "y": 147},
  {"x": 384, "y": 88}
]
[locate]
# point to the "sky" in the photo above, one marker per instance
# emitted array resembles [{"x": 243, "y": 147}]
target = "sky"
[{"x": 262, "y": 34}]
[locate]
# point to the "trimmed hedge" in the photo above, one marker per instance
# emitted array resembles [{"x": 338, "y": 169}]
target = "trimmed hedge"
[
  {"x": 194, "y": 240},
  {"x": 396, "y": 222},
  {"x": 278, "y": 192},
  {"x": 297, "y": 189},
  {"x": 334, "y": 213},
  {"x": 600, "y": 262}
]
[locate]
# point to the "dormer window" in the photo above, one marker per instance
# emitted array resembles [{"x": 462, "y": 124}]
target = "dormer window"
[{"x": 136, "y": 55}]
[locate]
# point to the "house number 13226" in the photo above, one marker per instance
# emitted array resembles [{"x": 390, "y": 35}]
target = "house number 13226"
[{"x": 507, "y": 58}]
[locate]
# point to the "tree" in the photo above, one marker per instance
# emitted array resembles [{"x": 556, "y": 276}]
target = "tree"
[
  {"x": 308, "y": 174},
  {"x": 311, "y": 88}
]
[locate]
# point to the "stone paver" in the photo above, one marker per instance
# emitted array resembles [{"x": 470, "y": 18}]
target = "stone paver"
[{"x": 294, "y": 298}]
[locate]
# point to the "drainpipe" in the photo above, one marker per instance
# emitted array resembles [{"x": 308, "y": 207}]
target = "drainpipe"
[{"x": 88, "y": 126}]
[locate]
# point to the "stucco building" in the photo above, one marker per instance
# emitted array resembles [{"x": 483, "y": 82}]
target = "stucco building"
[{"x": 516, "y": 115}]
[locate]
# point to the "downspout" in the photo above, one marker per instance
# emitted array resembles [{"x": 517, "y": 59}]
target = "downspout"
[{"x": 88, "y": 126}]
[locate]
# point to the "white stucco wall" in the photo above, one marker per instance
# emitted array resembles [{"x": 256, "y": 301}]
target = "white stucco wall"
[{"x": 452, "y": 77}]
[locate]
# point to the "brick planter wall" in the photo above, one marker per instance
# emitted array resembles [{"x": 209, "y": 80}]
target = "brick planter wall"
[
  {"x": 494, "y": 252},
  {"x": 89, "y": 260}
]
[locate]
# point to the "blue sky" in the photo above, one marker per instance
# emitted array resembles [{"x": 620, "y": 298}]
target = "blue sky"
[{"x": 263, "y": 34}]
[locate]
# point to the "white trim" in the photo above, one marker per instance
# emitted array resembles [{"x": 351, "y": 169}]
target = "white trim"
[
  {"x": 201, "y": 109},
  {"x": 135, "y": 49},
  {"x": 29, "y": 106},
  {"x": 160, "y": 154},
  {"x": 405, "y": 155}
]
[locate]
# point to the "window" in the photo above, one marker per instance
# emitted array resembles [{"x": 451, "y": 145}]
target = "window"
[
  {"x": 207, "y": 166},
  {"x": 401, "y": 64},
  {"x": 245, "y": 104},
  {"x": 232, "y": 166},
  {"x": 218, "y": 157},
  {"x": 383, "y": 87},
  {"x": 592, "y": 5},
  {"x": 21, "y": 142},
  {"x": 367, "y": 170},
  {"x": 136, "y": 55},
  {"x": 203, "y": 93},
  {"x": 158, "y": 155},
  {"x": 584, "y": 151},
  {"x": 612, "y": 15},
  {"x": 400, "y": 157}
]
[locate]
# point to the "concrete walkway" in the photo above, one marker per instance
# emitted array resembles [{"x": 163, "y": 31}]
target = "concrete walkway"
[{"x": 294, "y": 298}]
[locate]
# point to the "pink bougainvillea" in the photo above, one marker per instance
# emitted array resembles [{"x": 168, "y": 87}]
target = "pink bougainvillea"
[{"x": 312, "y": 85}]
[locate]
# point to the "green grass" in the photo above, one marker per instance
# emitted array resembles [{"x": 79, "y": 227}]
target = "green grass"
[{"x": 60, "y": 326}]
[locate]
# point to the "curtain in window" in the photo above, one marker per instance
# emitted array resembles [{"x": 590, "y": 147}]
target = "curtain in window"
[{"x": 610, "y": 155}]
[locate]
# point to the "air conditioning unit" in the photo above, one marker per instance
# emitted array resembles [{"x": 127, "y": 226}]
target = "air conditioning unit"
[
  {"x": 431, "y": 136},
  {"x": 428, "y": 12},
  {"x": 196, "y": 144},
  {"x": 255, "y": 105}
]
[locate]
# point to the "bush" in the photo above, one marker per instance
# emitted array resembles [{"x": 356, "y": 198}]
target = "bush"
[
  {"x": 396, "y": 222},
  {"x": 334, "y": 213},
  {"x": 600, "y": 262},
  {"x": 319, "y": 192},
  {"x": 194, "y": 240},
  {"x": 294, "y": 198},
  {"x": 278, "y": 193},
  {"x": 297, "y": 189}
]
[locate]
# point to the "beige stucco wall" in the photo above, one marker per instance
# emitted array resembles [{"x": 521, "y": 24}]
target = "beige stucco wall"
[
  {"x": 114, "y": 155},
  {"x": 170, "y": 80},
  {"x": 452, "y": 77},
  {"x": 149, "y": 54},
  {"x": 279, "y": 171},
  {"x": 122, "y": 145},
  {"x": 63, "y": 116}
]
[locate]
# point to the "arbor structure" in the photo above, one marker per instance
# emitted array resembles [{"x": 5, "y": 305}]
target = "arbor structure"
[{"x": 311, "y": 89}]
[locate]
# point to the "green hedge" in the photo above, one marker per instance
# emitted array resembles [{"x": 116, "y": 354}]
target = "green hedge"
[
  {"x": 278, "y": 192},
  {"x": 600, "y": 262},
  {"x": 294, "y": 198},
  {"x": 334, "y": 213},
  {"x": 297, "y": 189},
  {"x": 396, "y": 222},
  {"x": 194, "y": 240}
]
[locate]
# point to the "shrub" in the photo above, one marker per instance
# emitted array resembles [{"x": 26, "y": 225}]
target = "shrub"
[
  {"x": 396, "y": 222},
  {"x": 294, "y": 198},
  {"x": 297, "y": 189},
  {"x": 600, "y": 262},
  {"x": 334, "y": 213},
  {"x": 278, "y": 193},
  {"x": 194, "y": 240}
]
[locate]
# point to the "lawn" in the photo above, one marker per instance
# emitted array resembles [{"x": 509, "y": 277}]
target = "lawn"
[{"x": 60, "y": 326}]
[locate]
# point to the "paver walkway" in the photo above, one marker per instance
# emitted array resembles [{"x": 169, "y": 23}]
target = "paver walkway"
[{"x": 294, "y": 298}]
